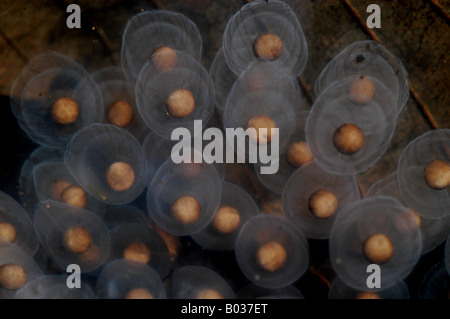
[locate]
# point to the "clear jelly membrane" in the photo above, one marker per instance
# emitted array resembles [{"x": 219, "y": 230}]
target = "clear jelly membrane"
[
  {"x": 271, "y": 251},
  {"x": 257, "y": 18},
  {"x": 339, "y": 290},
  {"x": 16, "y": 226},
  {"x": 263, "y": 101},
  {"x": 137, "y": 242},
  {"x": 305, "y": 183},
  {"x": 108, "y": 162},
  {"x": 356, "y": 223},
  {"x": 223, "y": 78},
  {"x": 88, "y": 248},
  {"x": 200, "y": 182},
  {"x": 368, "y": 58},
  {"x": 236, "y": 207},
  {"x": 252, "y": 291},
  {"x": 151, "y": 30},
  {"x": 415, "y": 190},
  {"x": 119, "y": 105},
  {"x": 54, "y": 287},
  {"x": 434, "y": 231},
  {"x": 198, "y": 282},
  {"x": 333, "y": 109},
  {"x": 54, "y": 181},
  {"x": 27, "y": 191},
  {"x": 42, "y": 82},
  {"x": 276, "y": 182},
  {"x": 123, "y": 279},
  {"x": 155, "y": 87},
  {"x": 16, "y": 269}
]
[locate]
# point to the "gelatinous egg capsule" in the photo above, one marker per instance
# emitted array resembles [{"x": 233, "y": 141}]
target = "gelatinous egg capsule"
[
  {"x": 119, "y": 107},
  {"x": 271, "y": 251},
  {"x": 223, "y": 78},
  {"x": 138, "y": 243},
  {"x": 312, "y": 199},
  {"x": 27, "y": 191},
  {"x": 198, "y": 282},
  {"x": 267, "y": 31},
  {"x": 16, "y": 269},
  {"x": 108, "y": 162},
  {"x": 296, "y": 155},
  {"x": 236, "y": 207},
  {"x": 176, "y": 97},
  {"x": 183, "y": 198},
  {"x": 124, "y": 279},
  {"x": 436, "y": 283},
  {"x": 368, "y": 58},
  {"x": 377, "y": 230},
  {"x": 339, "y": 290},
  {"x": 252, "y": 291},
  {"x": 118, "y": 215},
  {"x": 54, "y": 97},
  {"x": 434, "y": 231},
  {"x": 54, "y": 287},
  {"x": 72, "y": 235},
  {"x": 346, "y": 138},
  {"x": 16, "y": 226},
  {"x": 156, "y": 31},
  {"x": 266, "y": 117},
  {"x": 54, "y": 181},
  {"x": 423, "y": 174}
]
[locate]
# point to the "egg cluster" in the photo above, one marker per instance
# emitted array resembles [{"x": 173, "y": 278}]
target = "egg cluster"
[{"x": 105, "y": 152}]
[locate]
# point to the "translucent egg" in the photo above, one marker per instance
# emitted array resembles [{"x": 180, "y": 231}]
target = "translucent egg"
[
  {"x": 368, "y": 58},
  {"x": 108, "y": 162},
  {"x": 296, "y": 155},
  {"x": 119, "y": 107},
  {"x": 27, "y": 191},
  {"x": 138, "y": 243},
  {"x": 313, "y": 198},
  {"x": 183, "y": 198},
  {"x": 16, "y": 269},
  {"x": 223, "y": 78},
  {"x": 377, "y": 230},
  {"x": 419, "y": 185},
  {"x": 149, "y": 31},
  {"x": 53, "y": 97},
  {"x": 347, "y": 138},
  {"x": 54, "y": 181},
  {"x": 339, "y": 290},
  {"x": 436, "y": 283},
  {"x": 266, "y": 96},
  {"x": 72, "y": 235},
  {"x": 54, "y": 287},
  {"x": 271, "y": 251},
  {"x": 118, "y": 215},
  {"x": 434, "y": 231},
  {"x": 197, "y": 282},
  {"x": 123, "y": 279},
  {"x": 236, "y": 207},
  {"x": 16, "y": 226},
  {"x": 174, "y": 97},
  {"x": 252, "y": 291},
  {"x": 268, "y": 31}
]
